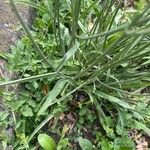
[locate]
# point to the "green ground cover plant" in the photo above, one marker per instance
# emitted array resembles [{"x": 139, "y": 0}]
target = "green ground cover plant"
[{"x": 81, "y": 69}]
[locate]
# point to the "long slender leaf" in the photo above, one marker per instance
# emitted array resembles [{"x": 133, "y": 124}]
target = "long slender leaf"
[
  {"x": 42, "y": 124},
  {"x": 52, "y": 95},
  {"x": 143, "y": 127},
  {"x": 69, "y": 54},
  {"x": 31, "y": 4},
  {"x": 32, "y": 78},
  {"x": 113, "y": 99}
]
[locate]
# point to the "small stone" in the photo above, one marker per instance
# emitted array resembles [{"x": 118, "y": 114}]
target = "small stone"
[{"x": 7, "y": 25}]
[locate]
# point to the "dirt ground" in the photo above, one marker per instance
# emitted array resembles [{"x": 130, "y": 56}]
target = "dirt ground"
[
  {"x": 8, "y": 28},
  {"x": 8, "y": 36}
]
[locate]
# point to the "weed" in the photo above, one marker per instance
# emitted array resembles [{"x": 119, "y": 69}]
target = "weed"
[{"x": 82, "y": 76}]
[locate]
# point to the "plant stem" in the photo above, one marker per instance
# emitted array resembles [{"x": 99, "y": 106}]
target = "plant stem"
[
  {"x": 54, "y": 74},
  {"x": 37, "y": 49}
]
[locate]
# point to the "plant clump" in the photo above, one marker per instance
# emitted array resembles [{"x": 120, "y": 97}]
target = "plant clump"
[{"x": 84, "y": 68}]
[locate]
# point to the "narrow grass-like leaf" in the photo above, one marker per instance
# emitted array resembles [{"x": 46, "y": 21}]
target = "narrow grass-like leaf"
[
  {"x": 145, "y": 31},
  {"x": 49, "y": 9},
  {"x": 69, "y": 54},
  {"x": 105, "y": 33},
  {"x": 42, "y": 124},
  {"x": 3, "y": 55},
  {"x": 57, "y": 21},
  {"x": 113, "y": 99},
  {"x": 75, "y": 15},
  {"x": 119, "y": 90},
  {"x": 32, "y": 78},
  {"x": 31, "y": 4},
  {"x": 69, "y": 93},
  {"x": 111, "y": 23},
  {"x": 143, "y": 127},
  {"x": 99, "y": 57},
  {"x": 52, "y": 95}
]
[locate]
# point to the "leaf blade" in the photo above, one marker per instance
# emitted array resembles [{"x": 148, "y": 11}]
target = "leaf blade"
[{"x": 52, "y": 95}]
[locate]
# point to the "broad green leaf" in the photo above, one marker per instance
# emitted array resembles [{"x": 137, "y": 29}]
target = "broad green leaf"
[
  {"x": 32, "y": 103},
  {"x": 52, "y": 95},
  {"x": 19, "y": 104},
  {"x": 35, "y": 85},
  {"x": 105, "y": 145},
  {"x": 124, "y": 143},
  {"x": 140, "y": 4},
  {"x": 27, "y": 111},
  {"x": 109, "y": 131},
  {"x": 85, "y": 144},
  {"x": 47, "y": 142},
  {"x": 63, "y": 144}
]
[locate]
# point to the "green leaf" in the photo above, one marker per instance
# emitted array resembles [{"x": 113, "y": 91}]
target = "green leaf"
[
  {"x": 35, "y": 85},
  {"x": 31, "y": 4},
  {"x": 31, "y": 78},
  {"x": 113, "y": 99},
  {"x": 19, "y": 104},
  {"x": 142, "y": 126},
  {"x": 40, "y": 126},
  {"x": 32, "y": 103},
  {"x": 123, "y": 143},
  {"x": 120, "y": 125},
  {"x": 52, "y": 95},
  {"x": 109, "y": 131},
  {"x": 3, "y": 55},
  {"x": 46, "y": 142},
  {"x": 4, "y": 145},
  {"x": 140, "y": 4},
  {"x": 69, "y": 54},
  {"x": 27, "y": 111},
  {"x": 105, "y": 145},
  {"x": 85, "y": 144},
  {"x": 63, "y": 143}
]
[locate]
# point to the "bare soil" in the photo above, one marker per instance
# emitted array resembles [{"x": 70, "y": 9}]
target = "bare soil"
[{"x": 8, "y": 30}]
